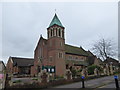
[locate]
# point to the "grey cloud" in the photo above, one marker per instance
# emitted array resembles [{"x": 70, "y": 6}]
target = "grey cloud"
[{"x": 84, "y": 23}]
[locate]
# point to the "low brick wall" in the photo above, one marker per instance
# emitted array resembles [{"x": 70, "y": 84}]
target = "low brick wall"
[{"x": 52, "y": 83}]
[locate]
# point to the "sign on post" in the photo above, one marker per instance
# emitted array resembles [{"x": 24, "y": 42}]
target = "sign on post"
[
  {"x": 115, "y": 77},
  {"x": 116, "y": 81},
  {"x": 83, "y": 85},
  {"x": 83, "y": 77}
]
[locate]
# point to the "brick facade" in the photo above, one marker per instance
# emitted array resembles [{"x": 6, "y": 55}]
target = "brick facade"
[
  {"x": 53, "y": 55},
  {"x": 51, "y": 52},
  {"x": 17, "y": 65}
]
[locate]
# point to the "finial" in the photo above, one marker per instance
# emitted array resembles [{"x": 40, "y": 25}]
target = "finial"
[
  {"x": 55, "y": 10},
  {"x": 40, "y": 35}
]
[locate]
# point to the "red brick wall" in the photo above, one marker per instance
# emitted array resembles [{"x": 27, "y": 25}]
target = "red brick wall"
[
  {"x": 54, "y": 48},
  {"x": 32, "y": 72},
  {"x": 9, "y": 66},
  {"x": 41, "y": 50},
  {"x": 51, "y": 48}
]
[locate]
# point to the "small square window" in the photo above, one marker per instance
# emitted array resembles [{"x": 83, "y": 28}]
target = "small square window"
[
  {"x": 60, "y": 55},
  {"x": 49, "y": 70},
  {"x": 52, "y": 69}
]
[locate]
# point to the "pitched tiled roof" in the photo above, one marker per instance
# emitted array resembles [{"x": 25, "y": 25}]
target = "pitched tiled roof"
[
  {"x": 56, "y": 21},
  {"x": 2, "y": 63},
  {"x": 114, "y": 61},
  {"x": 90, "y": 53},
  {"x": 75, "y": 50},
  {"x": 18, "y": 61}
]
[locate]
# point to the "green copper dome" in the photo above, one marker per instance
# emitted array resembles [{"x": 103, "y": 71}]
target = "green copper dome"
[{"x": 56, "y": 21}]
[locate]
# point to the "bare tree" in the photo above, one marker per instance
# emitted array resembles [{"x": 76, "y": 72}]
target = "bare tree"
[{"x": 104, "y": 48}]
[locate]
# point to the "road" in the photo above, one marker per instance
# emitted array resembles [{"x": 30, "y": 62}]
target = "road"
[{"x": 104, "y": 82}]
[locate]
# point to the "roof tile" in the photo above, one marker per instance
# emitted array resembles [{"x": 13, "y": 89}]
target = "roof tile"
[{"x": 56, "y": 21}]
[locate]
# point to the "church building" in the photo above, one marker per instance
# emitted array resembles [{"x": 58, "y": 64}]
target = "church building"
[{"x": 54, "y": 55}]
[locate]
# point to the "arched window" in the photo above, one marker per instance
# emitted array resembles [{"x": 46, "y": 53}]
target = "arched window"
[
  {"x": 48, "y": 34},
  {"x": 51, "y": 32},
  {"x": 60, "y": 55},
  {"x": 63, "y": 34},
  {"x": 56, "y": 32},
  {"x": 59, "y": 32},
  {"x": 40, "y": 53}
]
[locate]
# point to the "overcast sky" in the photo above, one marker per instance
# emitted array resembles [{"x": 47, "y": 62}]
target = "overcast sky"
[{"x": 84, "y": 22}]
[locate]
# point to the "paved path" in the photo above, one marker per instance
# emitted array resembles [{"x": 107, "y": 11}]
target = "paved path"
[{"x": 95, "y": 83}]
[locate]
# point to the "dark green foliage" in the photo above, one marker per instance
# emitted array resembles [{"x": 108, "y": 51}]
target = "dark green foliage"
[
  {"x": 74, "y": 72},
  {"x": 91, "y": 69}
]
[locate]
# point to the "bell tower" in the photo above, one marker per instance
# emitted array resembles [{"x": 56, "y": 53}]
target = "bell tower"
[{"x": 56, "y": 46}]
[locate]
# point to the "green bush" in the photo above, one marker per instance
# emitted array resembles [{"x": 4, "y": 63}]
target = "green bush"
[
  {"x": 91, "y": 69},
  {"x": 74, "y": 72}
]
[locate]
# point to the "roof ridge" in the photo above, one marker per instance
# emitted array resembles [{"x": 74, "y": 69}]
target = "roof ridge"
[
  {"x": 22, "y": 57},
  {"x": 74, "y": 46},
  {"x": 89, "y": 52}
]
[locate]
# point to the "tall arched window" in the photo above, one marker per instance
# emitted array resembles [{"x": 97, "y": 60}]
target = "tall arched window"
[
  {"x": 51, "y": 32},
  {"x": 63, "y": 34},
  {"x": 56, "y": 32},
  {"x": 48, "y": 34},
  {"x": 59, "y": 32},
  {"x": 40, "y": 53},
  {"x": 60, "y": 55}
]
